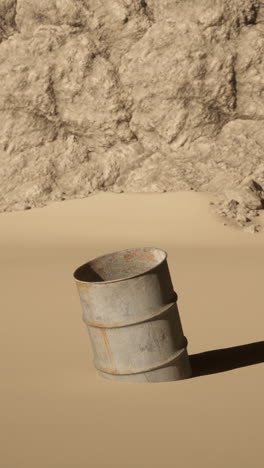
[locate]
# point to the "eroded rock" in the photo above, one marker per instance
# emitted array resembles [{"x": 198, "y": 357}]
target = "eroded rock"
[{"x": 132, "y": 95}]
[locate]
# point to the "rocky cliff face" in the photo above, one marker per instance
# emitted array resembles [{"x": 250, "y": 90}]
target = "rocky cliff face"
[{"x": 132, "y": 95}]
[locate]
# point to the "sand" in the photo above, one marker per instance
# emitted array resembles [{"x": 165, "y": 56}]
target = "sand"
[{"x": 57, "y": 412}]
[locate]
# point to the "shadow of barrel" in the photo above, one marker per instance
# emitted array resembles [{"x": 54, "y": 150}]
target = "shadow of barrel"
[{"x": 222, "y": 360}]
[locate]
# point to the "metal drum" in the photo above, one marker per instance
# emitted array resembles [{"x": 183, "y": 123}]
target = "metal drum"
[{"x": 130, "y": 309}]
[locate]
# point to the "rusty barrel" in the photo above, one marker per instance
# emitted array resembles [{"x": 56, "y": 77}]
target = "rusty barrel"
[{"x": 130, "y": 309}]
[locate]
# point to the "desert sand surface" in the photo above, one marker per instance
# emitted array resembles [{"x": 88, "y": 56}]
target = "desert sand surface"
[{"x": 57, "y": 412}]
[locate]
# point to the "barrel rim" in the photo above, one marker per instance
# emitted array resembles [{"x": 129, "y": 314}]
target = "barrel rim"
[{"x": 118, "y": 280}]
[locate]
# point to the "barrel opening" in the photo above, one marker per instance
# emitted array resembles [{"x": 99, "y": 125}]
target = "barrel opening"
[{"x": 120, "y": 265}]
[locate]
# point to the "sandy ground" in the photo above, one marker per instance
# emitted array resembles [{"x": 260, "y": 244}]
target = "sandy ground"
[{"x": 57, "y": 412}]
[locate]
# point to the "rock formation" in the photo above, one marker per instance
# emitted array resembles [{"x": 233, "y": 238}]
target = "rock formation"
[{"x": 132, "y": 95}]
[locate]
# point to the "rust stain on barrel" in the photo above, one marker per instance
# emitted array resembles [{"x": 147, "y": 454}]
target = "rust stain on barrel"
[
  {"x": 108, "y": 348},
  {"x": 85, "y": 285},
  {"x": 135, "y": 255},
  {"x": 103, "y": 325}
]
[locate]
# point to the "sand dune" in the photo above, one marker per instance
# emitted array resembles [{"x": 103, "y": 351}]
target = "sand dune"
[{"x": 57, "y": 412}]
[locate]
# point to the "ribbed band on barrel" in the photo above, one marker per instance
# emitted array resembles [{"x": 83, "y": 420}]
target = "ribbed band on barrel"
[
  {"x": 162, "y": 310},
  {"x": 166, "y": 363}
]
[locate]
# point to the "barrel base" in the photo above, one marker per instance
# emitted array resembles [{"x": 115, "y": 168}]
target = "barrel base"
[{"x": 176, "y": 370}]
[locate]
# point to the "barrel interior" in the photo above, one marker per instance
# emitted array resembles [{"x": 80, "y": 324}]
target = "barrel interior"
[{"x": 120, "y": 265}]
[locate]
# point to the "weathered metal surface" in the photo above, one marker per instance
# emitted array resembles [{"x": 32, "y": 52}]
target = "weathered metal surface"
[
  {"x": 178, "y": 369},
  {"x": 130, "y": 309}
]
